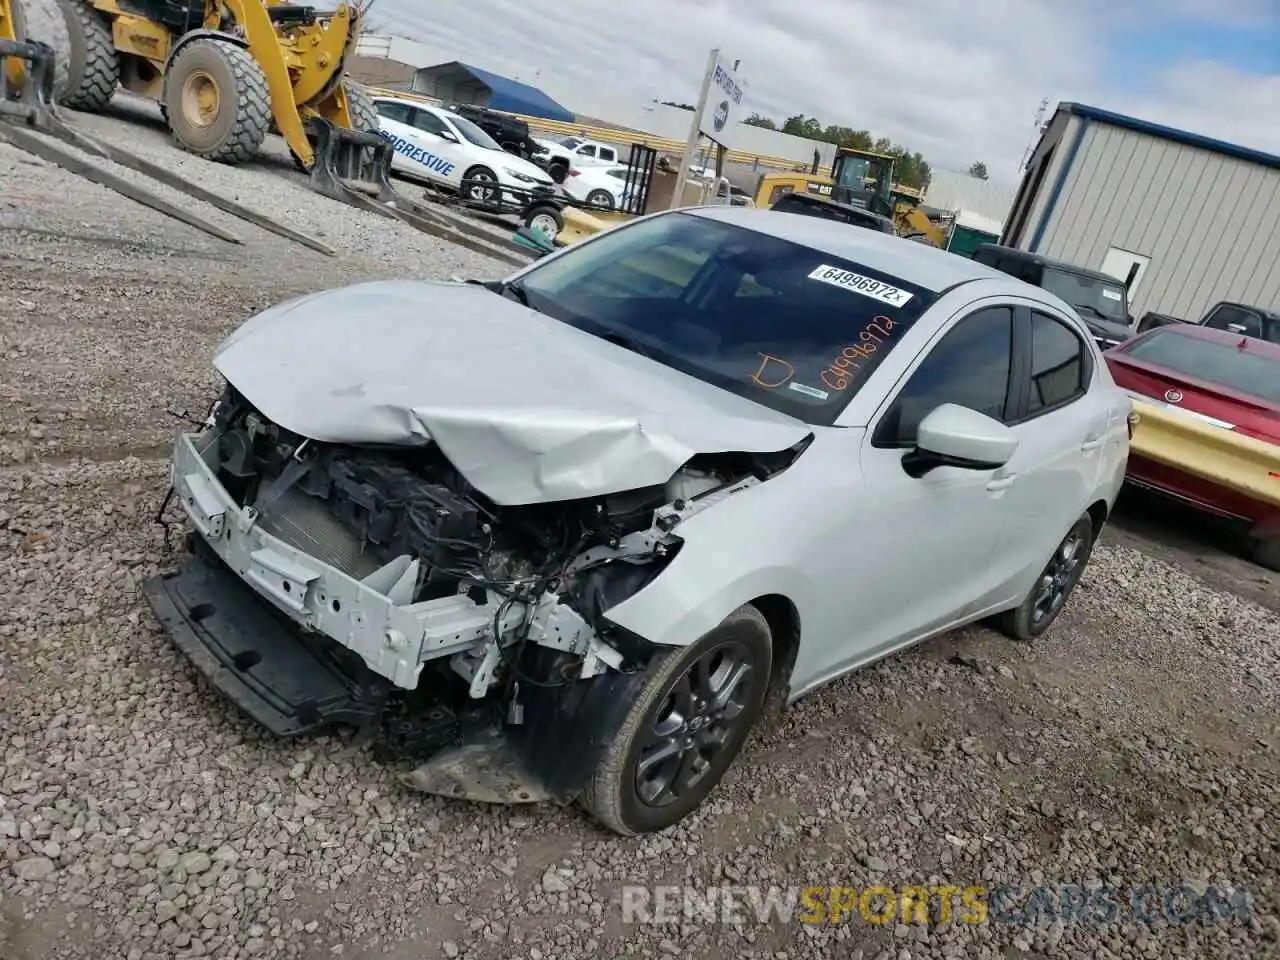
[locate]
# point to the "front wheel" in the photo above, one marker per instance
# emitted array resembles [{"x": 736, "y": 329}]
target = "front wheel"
[
  {"x": 684, "y": 729},
  {"x": 216, "y": 101},
  {"x": 600, "y": 199},
  {"x": 558, "y": 171},
  {"x": 1055, "y": 584}
]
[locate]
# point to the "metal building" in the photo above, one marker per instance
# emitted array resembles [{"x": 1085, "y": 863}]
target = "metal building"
[
  {"x": 1194, "y": 220},
  {"x": 460, "y": 83}
]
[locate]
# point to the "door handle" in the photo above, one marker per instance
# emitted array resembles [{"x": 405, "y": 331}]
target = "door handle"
[
  {"x": 1093, "y": 444},
  {"x": 1002, "y": 483}
]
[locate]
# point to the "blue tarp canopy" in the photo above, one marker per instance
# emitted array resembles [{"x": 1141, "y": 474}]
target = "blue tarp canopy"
[{"x": 459, "y": 83}]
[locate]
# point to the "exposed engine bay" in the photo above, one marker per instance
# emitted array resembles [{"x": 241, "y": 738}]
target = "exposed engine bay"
[{"x": 406, "y": 520}]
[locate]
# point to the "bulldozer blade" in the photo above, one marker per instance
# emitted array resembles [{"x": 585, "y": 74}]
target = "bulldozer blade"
[
  {"x": 33, "y": 144},
  {"x": 354, "y": 166}
]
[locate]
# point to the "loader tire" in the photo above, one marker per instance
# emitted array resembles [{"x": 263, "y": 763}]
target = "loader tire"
[
  {"x": 216, "y": 101},
  {"x": 93, "y": 69},
  {"x": 43, "y": 20},
  {"x": 364, "y": 115}
]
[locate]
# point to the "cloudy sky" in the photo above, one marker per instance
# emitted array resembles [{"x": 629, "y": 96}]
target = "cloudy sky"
[{"x": 958, "y": 81}]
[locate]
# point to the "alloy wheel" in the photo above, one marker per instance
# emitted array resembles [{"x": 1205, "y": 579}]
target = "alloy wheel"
[
  {"x": 702, "y": 707},
  {"x": 1058, "y": 578}
]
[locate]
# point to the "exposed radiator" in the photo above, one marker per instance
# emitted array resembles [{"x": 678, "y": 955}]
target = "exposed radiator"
[{"x": 305, "y": 523}]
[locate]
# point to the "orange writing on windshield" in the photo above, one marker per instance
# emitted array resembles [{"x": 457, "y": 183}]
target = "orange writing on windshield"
[
  {"x": 773, "y": 372},
  {"x": 839, "y": 373}
]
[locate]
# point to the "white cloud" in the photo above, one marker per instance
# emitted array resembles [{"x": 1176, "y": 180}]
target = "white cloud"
[{"x": 958, "y": 82}]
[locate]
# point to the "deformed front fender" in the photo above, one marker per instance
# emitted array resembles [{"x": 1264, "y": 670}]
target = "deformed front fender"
[{"x": 709, "y": 578}]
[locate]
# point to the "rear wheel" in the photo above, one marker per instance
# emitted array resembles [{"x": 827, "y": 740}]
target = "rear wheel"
[
  {"x": 601, "y": 199},
  {"x": 216, "y": 101},
  {"x": 93, "y": 69},
  {"x": 1054, "y": 586},
  {"x": 684, "y": 729},
  {"x": 43, "y": 20},
  {"x": 558, "y": 171}
]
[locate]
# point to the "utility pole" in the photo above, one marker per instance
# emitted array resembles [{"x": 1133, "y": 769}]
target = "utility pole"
[{"x": 691, "y": 145}]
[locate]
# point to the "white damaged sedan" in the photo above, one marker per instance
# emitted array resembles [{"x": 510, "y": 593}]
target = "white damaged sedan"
[{"x": 564, "y": 536}]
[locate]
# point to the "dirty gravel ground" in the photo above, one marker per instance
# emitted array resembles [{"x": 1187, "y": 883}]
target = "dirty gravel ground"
[{"x": 141, "y": 817}]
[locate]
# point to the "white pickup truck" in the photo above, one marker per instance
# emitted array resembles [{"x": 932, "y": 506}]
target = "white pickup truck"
[{"x": 557, "y": 156}]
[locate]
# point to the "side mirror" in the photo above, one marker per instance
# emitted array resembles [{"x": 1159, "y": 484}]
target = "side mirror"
[
  {"x": 448, "y": 135},
  {"x": 955, "y": 436}
]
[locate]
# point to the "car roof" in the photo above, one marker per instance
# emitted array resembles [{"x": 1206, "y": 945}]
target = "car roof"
[
  {"x": 921, "y": 264},
  {"x": 1038, "y": 258},
  {"x": 419, "y": 104},
  {"x": 1255, "y": 345}
]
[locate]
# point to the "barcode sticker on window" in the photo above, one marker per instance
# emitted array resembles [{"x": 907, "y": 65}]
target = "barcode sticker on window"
[{"x": 857, "y": 283}]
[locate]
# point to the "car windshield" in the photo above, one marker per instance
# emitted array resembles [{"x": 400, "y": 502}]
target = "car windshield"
[
  {"x": 570, "y": 142},
  {"x": 1094, "y": 298},
  {"x": 474, "y": 133},
  {"x": 1245, "y": 371},
  {"x": 787, "y": 326}
]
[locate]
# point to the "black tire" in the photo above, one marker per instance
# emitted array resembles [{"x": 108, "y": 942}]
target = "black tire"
[
  {"x": 1045, "y": 601},
  {"x": 237, "y": 125},
  {"x": 558, "y": 171},
  {"x": 1266, "y": 552},
  {"x": 478, "y": 192},
  {"x": 614, "y": 793},
  {"x": 45, "y": 21},
  {"x": 601, "y": 199},
  {"x": 543, "y": 217},
  {"x": 93, "y": 69}
]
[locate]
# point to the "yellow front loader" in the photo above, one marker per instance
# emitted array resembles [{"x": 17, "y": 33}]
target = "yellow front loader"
[
  {"x": 225, "y": 72},
  {"x": 863, "y": 178}
]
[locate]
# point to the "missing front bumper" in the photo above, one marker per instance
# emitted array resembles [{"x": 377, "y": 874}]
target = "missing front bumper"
[{"x": 288, "y": 683}]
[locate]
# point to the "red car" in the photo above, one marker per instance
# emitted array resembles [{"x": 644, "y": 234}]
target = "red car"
[{"x": 1226, "y": 379}]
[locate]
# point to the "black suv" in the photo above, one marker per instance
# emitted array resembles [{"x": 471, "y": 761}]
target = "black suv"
[
  {"x": 1101, "y": 300},
  {"x": 512, "y": 133}
]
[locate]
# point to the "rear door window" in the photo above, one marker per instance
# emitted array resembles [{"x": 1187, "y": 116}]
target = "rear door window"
[
  {"x": 1057, "y": 364},
  {"x": 393, "y": 111}
]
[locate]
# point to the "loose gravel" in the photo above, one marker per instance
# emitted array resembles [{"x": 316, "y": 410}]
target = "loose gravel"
[{"x": 142, "y": 817}]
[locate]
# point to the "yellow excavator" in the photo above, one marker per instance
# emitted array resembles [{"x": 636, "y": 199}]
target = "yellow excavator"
[{"x": 864, "y": 179}]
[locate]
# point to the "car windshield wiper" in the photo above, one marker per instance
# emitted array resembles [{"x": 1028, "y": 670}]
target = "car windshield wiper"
[
  {"x": 627, "y": 343},
  {"x": 1092, "y": 309},
  {"x": 514, "y": 291}
]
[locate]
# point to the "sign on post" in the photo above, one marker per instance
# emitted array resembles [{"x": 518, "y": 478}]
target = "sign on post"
[
  {"x": 722, "y": 107},
  {"x": 717, "y": 114}
]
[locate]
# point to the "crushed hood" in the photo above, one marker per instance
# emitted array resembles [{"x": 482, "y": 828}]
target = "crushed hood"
[{"x": 528, "y": 409}]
